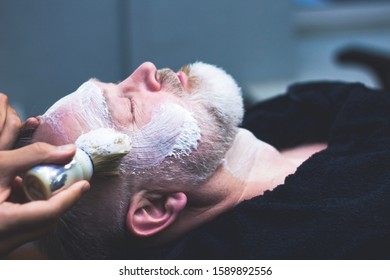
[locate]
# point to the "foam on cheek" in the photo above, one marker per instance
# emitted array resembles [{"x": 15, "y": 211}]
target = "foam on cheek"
[
  {"x": 172, "y": 131},
  {"x": 86, "y": 106}
]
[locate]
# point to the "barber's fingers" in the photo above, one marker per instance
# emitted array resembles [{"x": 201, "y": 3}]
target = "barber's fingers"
[
  {"x": 19, "y": 160},
  {"x": 26, "y": 132},
  {"x": 20, "y": 223},
  {"x": 31, "y": 124},
  {"x": 37, "y": 214},
  {"x": 11, "y": 129},
  {"x": 10, "y": 124},
  {"x": 3, "y": 110},
  {"x": 17, "y": 194}
]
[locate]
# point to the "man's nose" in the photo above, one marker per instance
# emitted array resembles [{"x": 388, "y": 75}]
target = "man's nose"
[{"x": 143, "y": 77}]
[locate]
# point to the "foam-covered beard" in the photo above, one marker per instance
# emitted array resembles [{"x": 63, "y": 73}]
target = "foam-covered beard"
[
  {"x": 217, "y": 106},
  {"x": 211, "y": 89},
  {"x": 214, "y": 88}
]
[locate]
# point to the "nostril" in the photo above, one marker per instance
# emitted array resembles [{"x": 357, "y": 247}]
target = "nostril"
[
  {"x": 157, "y": 76},
  {"x": 151, "y": 77},
  {"x": 145, "y": 76}
]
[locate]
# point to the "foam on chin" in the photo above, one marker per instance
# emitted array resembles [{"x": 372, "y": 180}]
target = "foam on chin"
[{"x": 217, "y": 89}]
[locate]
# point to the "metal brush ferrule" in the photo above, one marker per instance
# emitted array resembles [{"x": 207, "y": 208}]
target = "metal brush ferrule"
[{"x": 43, "y": 181}]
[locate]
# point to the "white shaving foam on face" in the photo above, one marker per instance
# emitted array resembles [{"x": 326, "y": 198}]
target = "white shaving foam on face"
[
  {"x": 172, "y": 131},
  {"x": 87, "y": 106}
]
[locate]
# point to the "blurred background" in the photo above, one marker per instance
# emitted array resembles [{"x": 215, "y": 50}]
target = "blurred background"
[{"x": 49, "y": 47}]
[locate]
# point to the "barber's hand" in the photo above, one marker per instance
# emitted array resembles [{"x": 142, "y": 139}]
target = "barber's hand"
[
  {"x": 20, "y": 223},
  {"x": 10, "y": 124}
]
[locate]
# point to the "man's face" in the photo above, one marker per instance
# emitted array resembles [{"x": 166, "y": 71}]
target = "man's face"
[
  {"x": 164, "y": 113},
  {"x": 181, "y": 125},
  {"x": 126, "y": 106}
]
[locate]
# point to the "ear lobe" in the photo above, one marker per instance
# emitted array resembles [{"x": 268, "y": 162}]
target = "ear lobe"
[{"x": 147, "y": 217}]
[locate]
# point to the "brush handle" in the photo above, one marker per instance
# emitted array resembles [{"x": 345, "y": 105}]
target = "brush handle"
[{"x": 42, "y": 181}]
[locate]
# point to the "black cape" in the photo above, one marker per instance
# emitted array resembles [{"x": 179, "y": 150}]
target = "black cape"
[{"x": 335, "y": 206}]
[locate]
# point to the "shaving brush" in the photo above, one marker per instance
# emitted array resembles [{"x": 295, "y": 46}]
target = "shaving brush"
[{"x": 99, "y": 153}]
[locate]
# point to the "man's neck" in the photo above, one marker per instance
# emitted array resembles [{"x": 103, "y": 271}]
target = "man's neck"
[
  {"x": 258, "y": 165},
  {"x": 250, "y": 168}
]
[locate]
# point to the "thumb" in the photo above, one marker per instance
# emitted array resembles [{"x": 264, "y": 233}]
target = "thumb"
[{"x": 21, "y": 159}]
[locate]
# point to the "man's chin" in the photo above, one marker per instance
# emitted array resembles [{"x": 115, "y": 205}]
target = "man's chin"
[{"x": 219, "y": 91}]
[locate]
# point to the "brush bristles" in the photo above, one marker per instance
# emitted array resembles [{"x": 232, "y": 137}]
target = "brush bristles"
[{"x": 107, "y": 165}]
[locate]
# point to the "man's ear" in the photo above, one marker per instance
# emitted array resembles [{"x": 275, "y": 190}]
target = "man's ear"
[{"x": 146, "y": 216}]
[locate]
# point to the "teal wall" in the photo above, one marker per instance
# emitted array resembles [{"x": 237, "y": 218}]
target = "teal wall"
[{"x": 49, "y": 47}]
